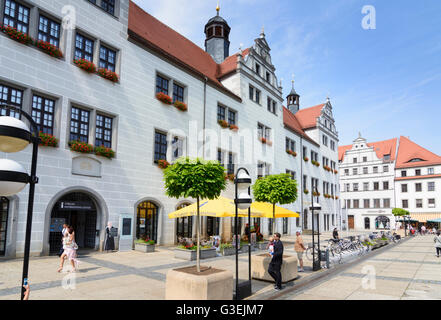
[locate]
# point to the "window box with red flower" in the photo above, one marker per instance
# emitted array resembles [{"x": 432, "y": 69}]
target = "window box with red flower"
[
  {"x": 161, "y": 96},
  {"x": 86, "y": 65},
  {"x": 292, "y": 153},
  {"x": 108, "y": 74},
  {"x": 316, "y": 194},
  {"x": 16, "y": 35},
  {"x": 335, "y": 171},
  {"x": 163, "y": 164},
  {"x": 233, "y": 127},
  {"x": 336, "y": 197},
  {"x": 181, "y": 105},
  {"x": 306, "y": 191},
  {"x": 230, "y": 177},
  {"x": 306, "y": 159},
  {"x": 50, "y": 49},
  {"x": 81, "y": 147},
  {"x": 48, "y": 140},
  {"x": 104, "y": 152},
  {"x": 316, "y": 163},
  {"x": 224, "y": 124}
]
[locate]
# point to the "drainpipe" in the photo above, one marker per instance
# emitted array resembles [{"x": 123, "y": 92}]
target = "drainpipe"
[
  {"x": 302, "y": 186},
  {"x": 205, "y": 112}
]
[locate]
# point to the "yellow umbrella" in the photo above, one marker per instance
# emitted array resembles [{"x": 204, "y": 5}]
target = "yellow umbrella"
[
  {"x": 267, "y": 211},
  {"x": 220, "y": 208}
]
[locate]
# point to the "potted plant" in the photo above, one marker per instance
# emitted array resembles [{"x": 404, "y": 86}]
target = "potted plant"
[
  {"x": 104, "y": 152},
  {"x": 48, "y": 140},
  {"x": 81, "y": 147},
  {"x": 306, "y": 191},
  {"x": 49, "y": 48},
  {"x": 335, "y": 171},
  {"x": 190, "y": 252},
  {"x": 230, "y": 177},
  {"x": 233, "y": 127},
  {"x": 161, "y": 96},
  {"x": 263, "y": 140},
  {"x": 108, "y": 74},
  {"x": 16, "y": 35},
  {"x": 145, "y": 245},
  {"x": 163, "y": 164},
  {"x": 316, "y": 194},
  {"x": 227, "y": 249},
  {"x": 306, "y": 159},
  {"x": 86, "y": 65},
  {"x": 224, "y": 124},
  {"x": 181, "y": 105}
]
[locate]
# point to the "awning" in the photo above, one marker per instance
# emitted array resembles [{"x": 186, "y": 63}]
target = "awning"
[{"x": 423, "y": 217}]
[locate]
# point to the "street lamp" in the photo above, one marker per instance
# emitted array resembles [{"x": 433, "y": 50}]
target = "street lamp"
[
  {"x": 14, "y": 137},
  {"x": 242, "y": 201},
  {"x": 315, "y": 206}
]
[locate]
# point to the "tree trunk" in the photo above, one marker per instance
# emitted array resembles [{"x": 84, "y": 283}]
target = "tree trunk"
[
  {"x": 274, "y": 218},
  {"x": 198, "y": 231}
]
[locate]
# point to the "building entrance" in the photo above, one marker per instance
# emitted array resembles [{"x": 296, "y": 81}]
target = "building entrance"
[{"x": 79, "y": 211}]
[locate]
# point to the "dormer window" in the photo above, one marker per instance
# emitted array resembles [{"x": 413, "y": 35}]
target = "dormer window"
[
  {"x": 386, "y": 157},
  {"x": 416, "y": 160},
  {"x": 268, "y": 77},
  {"x": 257, "y": 69}
]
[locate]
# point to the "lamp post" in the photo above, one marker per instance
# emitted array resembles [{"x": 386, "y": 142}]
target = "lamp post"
[
  {"x": 14, "y": 137},
  {"x": 315, "y": 260},
  {"x": 242, "y": 201}
]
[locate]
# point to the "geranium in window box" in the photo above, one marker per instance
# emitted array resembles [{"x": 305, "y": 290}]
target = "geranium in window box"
[
  {"x": 263, "y": 140},
  {"x": 316, "y": 194},
  {"x": 233, "y": 127},
  {"x": 108, "y": 74},
  {"x": 161, "y": 96},
  {"x": 293, "y": 153},
  {"x": 336, "y": 197},
  {"x": 306, "y": 159},
  {"x": 335, "y": 171},
  {"x": 306, "y": 191},
  {"x": 224, "y": 124},
  {"x": 48, "y": 140},
  {"x": 104, "y": 152},
  {"x": 230, "y": 177},
  {"x": 81, "y": 147},
  {"x": 86, "y": 65},
  {"x": 163, "y": 164},
  {"x": 49, "y": 48},
  {"x": 181, "y": 105},
  {"x": 16, "y": 35}
]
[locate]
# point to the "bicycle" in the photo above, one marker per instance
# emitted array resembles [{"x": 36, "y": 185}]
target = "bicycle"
[{"x": 308, "y": 251}]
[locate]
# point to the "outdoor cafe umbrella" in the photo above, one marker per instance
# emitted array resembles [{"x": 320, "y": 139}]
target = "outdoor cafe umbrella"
[
  {"x": 435, "y": 220},
  {"x": 273, "y": 211}
]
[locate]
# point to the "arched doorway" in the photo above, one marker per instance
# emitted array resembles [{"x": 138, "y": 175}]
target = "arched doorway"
[
  {"x": 4, "y": 212},
  {"x": 78, "y": 210},
  {"x": 382, "y": 222},
  {"x": 184, "y": 225},
  {"x": 147, "y": 221}
]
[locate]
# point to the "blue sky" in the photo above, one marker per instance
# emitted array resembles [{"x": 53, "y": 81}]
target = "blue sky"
[{"x": 384, "y": 82}]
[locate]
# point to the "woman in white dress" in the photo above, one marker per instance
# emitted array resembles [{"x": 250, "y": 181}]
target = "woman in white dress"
[
  {"x": 70, "y": 250},
  {"x": 64, "y": 240}
]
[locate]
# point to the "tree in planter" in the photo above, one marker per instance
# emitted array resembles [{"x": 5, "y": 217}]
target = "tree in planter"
[
  {"x": 398, "y": 212},
  {"x": 279, "y": 188},
  {"x": 195, "y": 178}
]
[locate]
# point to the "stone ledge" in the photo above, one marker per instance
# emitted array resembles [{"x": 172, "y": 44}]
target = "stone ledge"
[{"x": 260, "y": 264}]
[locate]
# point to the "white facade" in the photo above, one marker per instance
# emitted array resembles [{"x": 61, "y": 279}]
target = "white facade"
[
  {"x": 367, "y": 187},
  {"x": 120, "y": 185}
]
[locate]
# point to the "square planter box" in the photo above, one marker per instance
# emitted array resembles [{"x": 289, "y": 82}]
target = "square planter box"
[
  {"x": 146, "y": 248},
  {"x": 191, "y": 254},
  {"x": 260, "y": 264},
  {"x": 213, "y": 284},
  {"x": 229, "y": 251}
]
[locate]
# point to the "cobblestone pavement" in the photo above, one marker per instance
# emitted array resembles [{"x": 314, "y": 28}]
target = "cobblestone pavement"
[
  {"x": 407, "y": 271},
  {"x": 117, "y": 276}
]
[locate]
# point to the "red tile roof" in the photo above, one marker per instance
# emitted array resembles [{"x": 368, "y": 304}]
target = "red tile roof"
[
  {"x": 409, "y": 150},
  {"x": 308, "y": 117},
  {"x": 290, "y": 120},
  {"x": 381, "y": 148},
  {"x": 230, "y": 64},
  {"x": 149, "y": 31}
]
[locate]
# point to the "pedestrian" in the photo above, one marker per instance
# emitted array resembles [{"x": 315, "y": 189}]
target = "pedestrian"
[
  {"x": 423, "y": 230},
  {"x": 299, "y": 247},
  {"x": 63, "y": 234},
  {"x": 276, "y": 262},
  {"x": 270, "y": 246},
  {"x": 64, "y": 241},
  {"x": 71, "y": 249},
  {"x": 335, "y": 234},
  {"x": 109, "y": 243},
  {"x": 437, "y": 241}
]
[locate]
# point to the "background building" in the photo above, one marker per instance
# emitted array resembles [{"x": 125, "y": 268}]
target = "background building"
[{"x": 377, "y": 177}]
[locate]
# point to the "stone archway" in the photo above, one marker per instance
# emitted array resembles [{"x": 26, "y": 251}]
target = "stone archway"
[{"x": 98, "y": 205}]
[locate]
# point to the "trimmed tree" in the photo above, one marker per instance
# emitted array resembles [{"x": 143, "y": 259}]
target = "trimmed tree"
[
  {"x": 198, "y": 179},
  {"x": 275, "y": 189},
  {"x": 398, "y": 212}
]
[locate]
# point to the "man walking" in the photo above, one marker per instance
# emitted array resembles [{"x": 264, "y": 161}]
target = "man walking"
[
  {"x": 276, "y": 262},
  {"x": 299, "y": 247},
  {"x": 437, "y": 241}
]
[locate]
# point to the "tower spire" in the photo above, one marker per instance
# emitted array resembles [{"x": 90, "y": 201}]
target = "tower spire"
[{"x": 218, "y": 7}]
